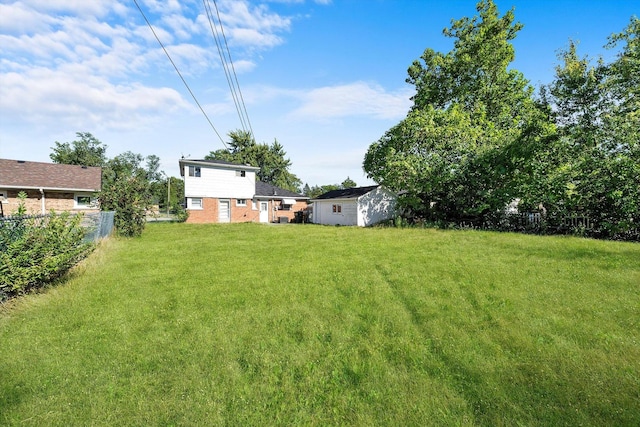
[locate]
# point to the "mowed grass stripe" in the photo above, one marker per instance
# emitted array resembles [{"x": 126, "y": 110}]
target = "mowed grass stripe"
[{"x": 257, "y": 325}]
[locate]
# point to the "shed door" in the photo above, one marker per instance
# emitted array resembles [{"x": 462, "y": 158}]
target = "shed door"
[{"x": 224, "y": 211}]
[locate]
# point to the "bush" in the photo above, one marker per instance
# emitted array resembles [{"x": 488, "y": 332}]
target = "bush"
[{"x": 44, "y": 250}]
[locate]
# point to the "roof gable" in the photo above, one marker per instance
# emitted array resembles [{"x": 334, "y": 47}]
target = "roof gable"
[
  {"x": 22, "y": 174},
  {"x": 346, "y": 193},
  {"x": 222, "y": 164}
]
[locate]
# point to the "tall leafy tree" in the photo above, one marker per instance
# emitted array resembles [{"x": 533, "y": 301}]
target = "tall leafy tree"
[
  {"x": 87, "y": 150},
  {"x": 597, "y": 110},
  {"x": 127, "y": 191},
  {"x": 458, "y": 153},
  {"x": 271, "y": 159}
]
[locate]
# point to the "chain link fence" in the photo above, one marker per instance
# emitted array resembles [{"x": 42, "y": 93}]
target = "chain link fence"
[{"x": 97, "y": 225}]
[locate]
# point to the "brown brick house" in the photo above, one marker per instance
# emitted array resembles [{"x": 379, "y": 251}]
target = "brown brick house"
[{"x": 48, "y": 186}]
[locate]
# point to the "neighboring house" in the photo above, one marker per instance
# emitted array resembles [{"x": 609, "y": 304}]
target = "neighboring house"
[
  {"x": 361, "y": 206},
  {"x": 219, "y": 191},
  {"x": 49, "y": 186}
]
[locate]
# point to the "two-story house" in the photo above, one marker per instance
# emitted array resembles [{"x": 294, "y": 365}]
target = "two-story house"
[{"x": 219, "y": 191}]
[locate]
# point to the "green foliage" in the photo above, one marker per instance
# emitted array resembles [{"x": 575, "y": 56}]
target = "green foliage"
[
  {"x": 87, "y": 151},
  {"x": 348, "y": 183},
  {"x": 175, "y": 191},
  {"x": 598, "y": 116},
  {"x": 44, "y": 250},
  {"x": 126, "y": 190},
  {"x": 476, "y": 140},
  {"x": 180, "y": 213},
  {"x": 22, "y": 209},
  {"x": 274, "y": 166},
  {"x": 317, "y": 190}
]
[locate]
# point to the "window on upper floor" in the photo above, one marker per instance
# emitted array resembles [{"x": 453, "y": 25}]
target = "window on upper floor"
[
  {"x": 241, "y": 173},
  {"x": 194, "y": 171}
]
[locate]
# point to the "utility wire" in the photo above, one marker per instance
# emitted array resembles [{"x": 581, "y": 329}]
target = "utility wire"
[
  {"x": 225, "y": 66},
  {"x": 180, "y": 74},
  {"x": 235, "y": 76},
  {"x": 232, "y": 67}
]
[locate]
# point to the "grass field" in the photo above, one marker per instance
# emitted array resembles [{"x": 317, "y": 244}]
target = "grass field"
[{"x": 307, "y": 325}]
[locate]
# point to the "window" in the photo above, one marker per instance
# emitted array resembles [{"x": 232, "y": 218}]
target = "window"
[
  {"x": 241, "y": 173},
  {"x": 194, "y": 171},
  {"x": 241, "y": 202},
  {"x": 83, "y": 201},
  {"x": 3, "y": 195},
  {"x": 336, "y": 209},
  {"x": 254, "y": 205},
  {"x": 195, "y": 203}
]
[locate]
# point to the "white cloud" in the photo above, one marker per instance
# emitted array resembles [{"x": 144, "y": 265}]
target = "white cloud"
[
  {"x": 354, "y": 99},
  {"x": 42, "y": 96}
]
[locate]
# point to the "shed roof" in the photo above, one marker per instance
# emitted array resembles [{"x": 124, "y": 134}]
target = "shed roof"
[
  {"x": 20, "y": 174},
  {"x": 346, "y": 193}
]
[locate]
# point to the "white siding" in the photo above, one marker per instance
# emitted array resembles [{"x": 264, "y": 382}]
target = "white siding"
[
  {"x": 219, "y": 182},
  {"x": 323, "y": 212},
  {"x": 376, "y": 206}
]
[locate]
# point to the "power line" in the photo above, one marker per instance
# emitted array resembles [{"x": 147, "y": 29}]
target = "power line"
[
  {"x": 238, "y": 98},
  {"x": 225, "y": 67},
  {"x": 180, "y": 74}
]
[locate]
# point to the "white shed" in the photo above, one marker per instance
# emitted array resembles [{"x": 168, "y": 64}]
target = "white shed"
[{"x": 361, "y": 206}]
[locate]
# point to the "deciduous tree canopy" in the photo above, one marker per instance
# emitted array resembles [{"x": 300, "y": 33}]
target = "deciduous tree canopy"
[
  {"x": 271, "y": 159},
  {"x": 476, "y": 139}
]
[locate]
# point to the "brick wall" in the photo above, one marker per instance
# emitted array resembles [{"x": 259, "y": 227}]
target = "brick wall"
[
  {"x": 57, "y": 201},
  {"x": 290, "y": 214},
  {"x": 208, "y": 213},
  {"x": 244, "y": 213}
]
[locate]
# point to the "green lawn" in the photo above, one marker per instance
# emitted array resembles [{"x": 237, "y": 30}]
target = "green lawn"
[{"x": 306, "y": 325}]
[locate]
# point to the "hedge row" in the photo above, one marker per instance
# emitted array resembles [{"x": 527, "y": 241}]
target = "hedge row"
[{"x": 35, "y": 251}]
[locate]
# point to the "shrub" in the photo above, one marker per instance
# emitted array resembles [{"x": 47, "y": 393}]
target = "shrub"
[{"x": 45, "y": 249}]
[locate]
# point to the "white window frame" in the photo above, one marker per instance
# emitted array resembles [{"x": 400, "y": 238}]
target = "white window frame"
[
  {"x": 3, "y": 195},
  {"x": 199, "y": 205},
  {"x": 254, "y": 205},
  {"x": 241, "y": 173},
  {"x": 336, "y": 209},
  {"x": 241, "y": 202},
  {"x": 92, "y": 201},
  {"x": 195, "y": 171}
]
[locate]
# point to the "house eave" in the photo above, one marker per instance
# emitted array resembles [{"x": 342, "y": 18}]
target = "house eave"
[{"x": 45, "y": 188}]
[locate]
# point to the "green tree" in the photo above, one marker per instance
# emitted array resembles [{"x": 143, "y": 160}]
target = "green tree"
[
  {"x": 127, "y": 191},
  {"x": 348, "y": 183},
  {"x": 458, "y": 154},
  {"x": 271, "y": 159},
  {"x": 475, "y": 73},
  {"x": 86, "y": 151},
  {"x": 597, "y": 112}
]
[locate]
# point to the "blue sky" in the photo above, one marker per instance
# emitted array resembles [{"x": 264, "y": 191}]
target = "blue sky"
[{"x": 326, "y": 78}]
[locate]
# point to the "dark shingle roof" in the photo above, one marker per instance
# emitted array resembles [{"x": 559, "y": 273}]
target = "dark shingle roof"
[
  {"x": 264, "y": 189},
  {"x": 347, "y": 193},
  {"x": 22, "y": 174}
]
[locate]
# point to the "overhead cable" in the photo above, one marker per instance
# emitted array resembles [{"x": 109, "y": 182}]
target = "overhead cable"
[
  {"x": 179, "y": 74},
  {"x": 229, "y": 68}
]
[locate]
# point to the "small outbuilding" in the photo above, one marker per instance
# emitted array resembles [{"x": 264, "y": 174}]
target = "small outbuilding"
[{"x": 361, "y": 206}]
